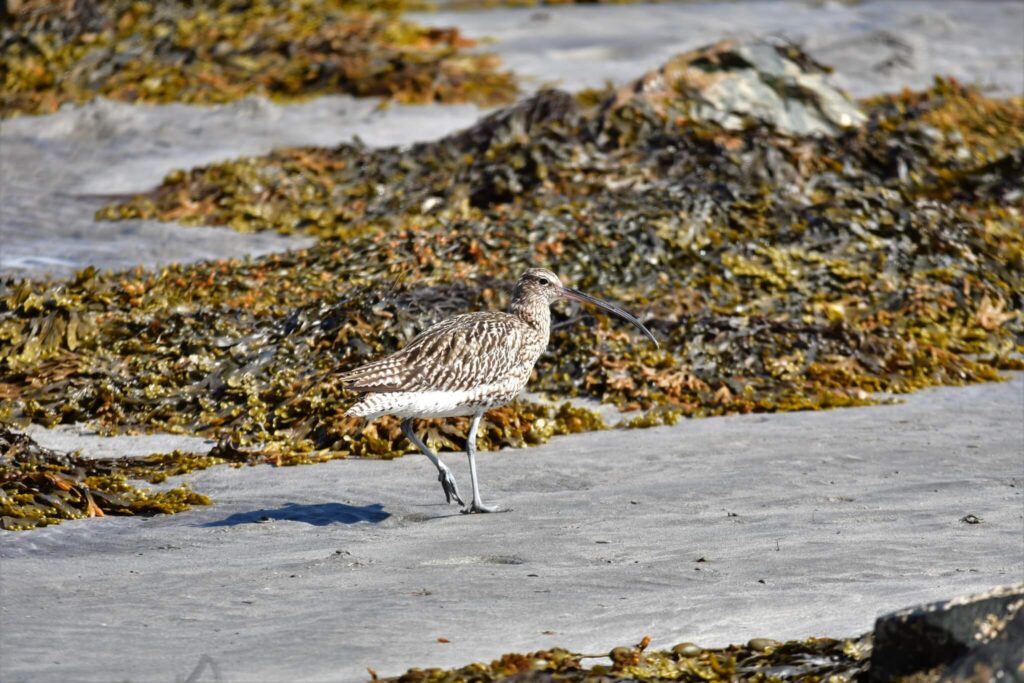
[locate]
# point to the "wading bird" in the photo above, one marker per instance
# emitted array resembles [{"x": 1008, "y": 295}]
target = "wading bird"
[{"x": 466, "y": 365}]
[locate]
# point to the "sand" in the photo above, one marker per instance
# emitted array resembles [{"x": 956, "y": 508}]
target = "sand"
[
  {"x": 807, "y": 524},
  {"x": 57, "y": 170}
]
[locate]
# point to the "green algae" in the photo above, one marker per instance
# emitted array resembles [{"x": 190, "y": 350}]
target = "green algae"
[
  {"x": 761, "y": 660},
  {"x": 40, "y": 487},
  {"x": 209, "y": 53}
]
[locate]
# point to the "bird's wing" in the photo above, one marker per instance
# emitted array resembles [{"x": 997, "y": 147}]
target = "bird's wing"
[
  {"x": 386, "y": 374},
  {"x": 455, "y": 354}
]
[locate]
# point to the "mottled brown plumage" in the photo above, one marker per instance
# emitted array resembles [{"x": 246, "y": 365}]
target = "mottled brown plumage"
[
  {"x": 453, "y": 355},
  {"x": 466, "y": 365}
]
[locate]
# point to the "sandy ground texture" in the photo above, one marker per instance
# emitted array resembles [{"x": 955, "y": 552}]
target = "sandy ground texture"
[
  {"x": 52, "y": 167},
  {"x": 712, "y": 531},
  {"x": 55, "y": 169}
]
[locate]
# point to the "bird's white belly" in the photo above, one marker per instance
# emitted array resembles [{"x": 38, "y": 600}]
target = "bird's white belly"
[{"x": 437, "y": 403}]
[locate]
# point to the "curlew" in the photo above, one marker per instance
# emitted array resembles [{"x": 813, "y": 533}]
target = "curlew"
[{"x": 466, "y": 365}]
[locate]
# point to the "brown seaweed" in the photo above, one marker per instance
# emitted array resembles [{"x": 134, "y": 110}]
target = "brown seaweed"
[
  {"x": 783, "y": 272},
  {"x": 841, "y": 285},
  {"x": 762, "y": 659},
  {"x": 209, "y": 53},
  {"x": 39, "y": 486}
]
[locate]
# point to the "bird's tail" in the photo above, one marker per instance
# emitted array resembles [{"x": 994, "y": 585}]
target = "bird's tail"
[
  {"x": 369, "y": 406},
  {"x": 385, "y": 374},
  {"x": 358, "y": 409}
]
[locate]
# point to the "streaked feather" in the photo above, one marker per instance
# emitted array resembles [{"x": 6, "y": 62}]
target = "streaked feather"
[{"x": 456, "y": 354}]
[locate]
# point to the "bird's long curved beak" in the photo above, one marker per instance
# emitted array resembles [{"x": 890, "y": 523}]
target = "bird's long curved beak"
[{"x": 577, "y": 295}]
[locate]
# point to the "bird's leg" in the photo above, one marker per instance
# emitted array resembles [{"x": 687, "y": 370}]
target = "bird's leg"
[
  {"x": 477, "y": 505},
  {"x": 444, "y": 475}
]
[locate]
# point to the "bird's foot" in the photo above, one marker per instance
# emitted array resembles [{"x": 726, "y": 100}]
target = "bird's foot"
[
  {"x": 477, "y": 506},
  {"x": 451, "y": 490}
]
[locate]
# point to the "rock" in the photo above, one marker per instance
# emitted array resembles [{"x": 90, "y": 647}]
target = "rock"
[
  {"x": 974, "y": 638},
  {"x": 687, "y": 650},
  {"x": 763, "y": 644},
  {"x": 733, "y": 83}
]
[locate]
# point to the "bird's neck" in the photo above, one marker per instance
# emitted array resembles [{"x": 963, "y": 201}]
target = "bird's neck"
[{"x": 534, "y": 311}]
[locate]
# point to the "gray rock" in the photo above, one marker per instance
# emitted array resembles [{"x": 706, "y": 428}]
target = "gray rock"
[
  {"x": 733, "y": 83},
  {"x": 974, "y": 638}
]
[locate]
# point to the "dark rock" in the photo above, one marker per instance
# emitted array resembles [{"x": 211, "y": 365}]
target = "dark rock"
[{"x": 972, "y": 638}]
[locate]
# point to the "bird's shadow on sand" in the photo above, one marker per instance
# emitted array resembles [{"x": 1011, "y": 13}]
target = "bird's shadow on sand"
[{"x": 319, "y": 514}]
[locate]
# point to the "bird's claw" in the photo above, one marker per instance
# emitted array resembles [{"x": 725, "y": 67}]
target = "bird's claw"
[
  {"x": 451, "y": 490},
  {"x": 476, "y": 506}
]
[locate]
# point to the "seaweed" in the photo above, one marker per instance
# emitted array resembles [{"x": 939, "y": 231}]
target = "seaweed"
[
  {"x": 40, "y": 486},
  {"x": 824, "y": 293},
  {"x": 762, "y": 659},
  {"x": 783, "y": 272},
  {"x": 220, "y": 51}
]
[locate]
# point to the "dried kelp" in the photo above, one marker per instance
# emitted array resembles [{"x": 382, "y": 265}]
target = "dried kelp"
[
  {"x": 212, "y": 52},
  {"x": 762, "y": 659},
  {"x": 783, "y": 272},
  {"x": 39, "y": 486}
]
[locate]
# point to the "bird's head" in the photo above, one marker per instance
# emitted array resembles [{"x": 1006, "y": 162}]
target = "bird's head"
[{"x": 540, "y": 284}]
